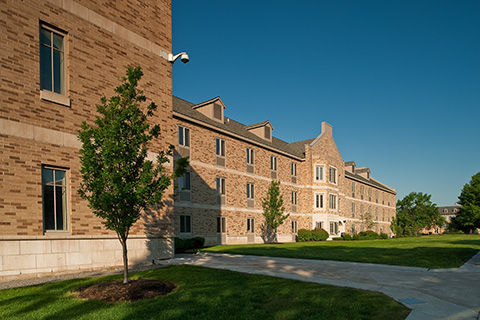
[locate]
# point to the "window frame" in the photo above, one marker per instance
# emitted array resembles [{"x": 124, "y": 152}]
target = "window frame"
[
  {"x": 65, "y": 198},
  {"x": 186, "y": 224},
  {"x": 46, "y": 93},
  {"x": 273, "y": 163},
  {"x": 332, "y": 172},
  {"x": 220, "y": 147},
  {"x": 319, "y": 196},
  {"x": 294, "y": 169},
  {"x": 251, "y": 225},
  {"x": 185, "y": 136},
  {"x": 250, "y": 190},
  {"x": 250, "y": 156},
  {"x": 294, "y": 198},
  {"x": 316, "y": 173},
  {"x": 332, "y": 205},
  {"x": 221, "y": 184}
]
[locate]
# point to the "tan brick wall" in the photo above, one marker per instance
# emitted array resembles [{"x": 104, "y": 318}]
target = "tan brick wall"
[
  {"x": 103, "y": 39},
  {"x": 203, "y": 207}
]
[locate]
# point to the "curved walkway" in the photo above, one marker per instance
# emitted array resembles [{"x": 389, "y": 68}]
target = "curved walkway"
[{"x": 430, "y": 293}]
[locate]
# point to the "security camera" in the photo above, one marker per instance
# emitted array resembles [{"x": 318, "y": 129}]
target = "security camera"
[{"x": 183, "y": 56}]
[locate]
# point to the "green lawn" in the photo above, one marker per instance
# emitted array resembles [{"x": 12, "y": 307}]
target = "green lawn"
[
  {"x": 204, "y": 294},
  {"x": 441, "y": 251}
]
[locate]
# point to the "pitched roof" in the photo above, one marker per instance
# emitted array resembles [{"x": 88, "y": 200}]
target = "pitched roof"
[
  {"x": 185, "y": 109},
  {"x": 372, "y": 182}
]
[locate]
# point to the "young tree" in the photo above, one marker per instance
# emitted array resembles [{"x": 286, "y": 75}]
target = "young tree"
[
  {"x": 273, "y": 210},
  {"x": 468, "y": 218},
  {"x": 367, "y": 221},
  {"x": 118, "y": 180},
  {"x": 415, "y": 212}
]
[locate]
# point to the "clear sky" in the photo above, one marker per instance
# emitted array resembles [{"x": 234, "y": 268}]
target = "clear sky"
[{"x": 399, "y": 81}]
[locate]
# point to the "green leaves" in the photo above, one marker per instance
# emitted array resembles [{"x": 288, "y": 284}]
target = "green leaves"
[
  {"x": 415, "y": 212},
  {"x": 118, "y": 180},
  {"x": 273, "y": 207},
  {"x": 468, "y": 218}
]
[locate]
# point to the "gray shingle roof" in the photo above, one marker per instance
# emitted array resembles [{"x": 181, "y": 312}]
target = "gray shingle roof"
[
  {"x": 185, "y": 108},
  {"x": 370, "y": 182}
]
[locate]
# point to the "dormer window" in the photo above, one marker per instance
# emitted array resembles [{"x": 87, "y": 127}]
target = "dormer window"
[
  {"x": 217, "y": 111},
  {"x": 262, "y": 130},
  {"x": 213, "y": 109}
]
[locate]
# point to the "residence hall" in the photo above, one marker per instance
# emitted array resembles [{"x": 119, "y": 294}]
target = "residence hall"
[
  {"x": 58, "y": 58},
  {"x": 232, "y": 166}
]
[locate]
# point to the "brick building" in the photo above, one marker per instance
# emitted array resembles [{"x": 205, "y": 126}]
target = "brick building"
[
  {"x": 232, "y": 165},
  {"x": 57, "y": 59}
]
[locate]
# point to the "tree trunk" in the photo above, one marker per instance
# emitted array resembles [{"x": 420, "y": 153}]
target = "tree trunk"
[{"x": 123, "y": 241}]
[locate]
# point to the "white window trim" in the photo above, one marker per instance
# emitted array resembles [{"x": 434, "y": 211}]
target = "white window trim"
[
  {"x": 315, "y": 200},
  {"x": 336, "y": 175},
  {"x": 250, "y": 191},
  {"x": 184, "y": 129},
  {"x": 294, "y": 198},
  {"x": 336, "y": 201},
  {"x": 221, "y": 149},
  {"x": 293, "y": 169},
  {"x": 55, "y": 97},
  {"x": 273, "y": 162},
  {"x": 250, "y": 156},
  {"x": 315, "y": 172}
]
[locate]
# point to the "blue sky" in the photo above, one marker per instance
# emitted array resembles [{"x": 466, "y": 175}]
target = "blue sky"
[{"x": 399, "y": 81}]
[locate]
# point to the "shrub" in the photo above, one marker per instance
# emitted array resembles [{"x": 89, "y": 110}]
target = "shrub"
[
  {"x": 304, "y": 235},
  {"x": 179, "y": 244},
  {"x": 319, "y": 234},
  {"x": 346, "y": 236},
  {"x": 182, "y": 245},
  {"x": 337, "y": 238},
  {"x": 383, "y": 236}
]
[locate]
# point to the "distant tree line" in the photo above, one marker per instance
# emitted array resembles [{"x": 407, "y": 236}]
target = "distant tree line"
[{"x": 416, "y": 212}]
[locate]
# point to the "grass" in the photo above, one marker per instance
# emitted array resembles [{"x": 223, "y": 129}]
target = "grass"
[
  {"x": 204, "y": 294},
  {"x": 440, "y": 251}
]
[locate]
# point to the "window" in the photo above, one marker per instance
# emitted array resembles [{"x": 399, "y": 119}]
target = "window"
[
  {"x": 383, "y": 214},
  {"x": 217, "y": 111},
  {"x": 383, "y": 197},
  {"x": 294, "y": 169},
  {"x": 294, "y": 226},
  {"x": 369, "y": 194},
  {"x": 318, "y": 173},
  {"x": 319, "y": 225},
  {"x": 54, "y": 198},
  {"x": 185, "y": 223},
  {"x": 220, "y": 147},
  {"x": 183, "y": 136},
  {"x": 249, "y": 156},
  {"x": 250, "y": 225},
  {"x": 361, "y": 192},
  {"x": 250, "y": 194},
  {"x": 220, "y": 186},
  {"x": 353, "y": 209},
  {"x": 353, "y": 189},
  {"x": 376, "y": 214},
  {"x": 267, "y": 133},
  {"x": 333, "y": 227},
  {"x": 332, "y": 203},
  {"x": 332, "y": 175},
  {"x": 376, "y": 196},
  {"x": 184, "y": 182},
  {"x": 294, "y": 198},
  {"x": 221, "y": 225},
  {"x": 52, "y": 60},
  {"x": 361, "y": 210},
  {"x": 318, "y": 200},
  {"x": 273, "y": 163}
]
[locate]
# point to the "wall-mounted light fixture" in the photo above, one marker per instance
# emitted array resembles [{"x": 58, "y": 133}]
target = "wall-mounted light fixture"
[{"x": 183, "y": 56}]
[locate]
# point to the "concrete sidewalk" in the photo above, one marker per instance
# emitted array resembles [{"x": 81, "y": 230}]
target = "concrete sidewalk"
[{"x": 430, "y": 293}]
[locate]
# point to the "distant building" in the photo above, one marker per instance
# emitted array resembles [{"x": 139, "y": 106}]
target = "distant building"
[
  {"x": 232, "y": 165},
  {"x": 448, "y": 213}
]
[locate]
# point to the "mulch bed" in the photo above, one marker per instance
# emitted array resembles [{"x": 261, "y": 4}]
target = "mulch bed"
[{"x": 115, "y": 291}]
